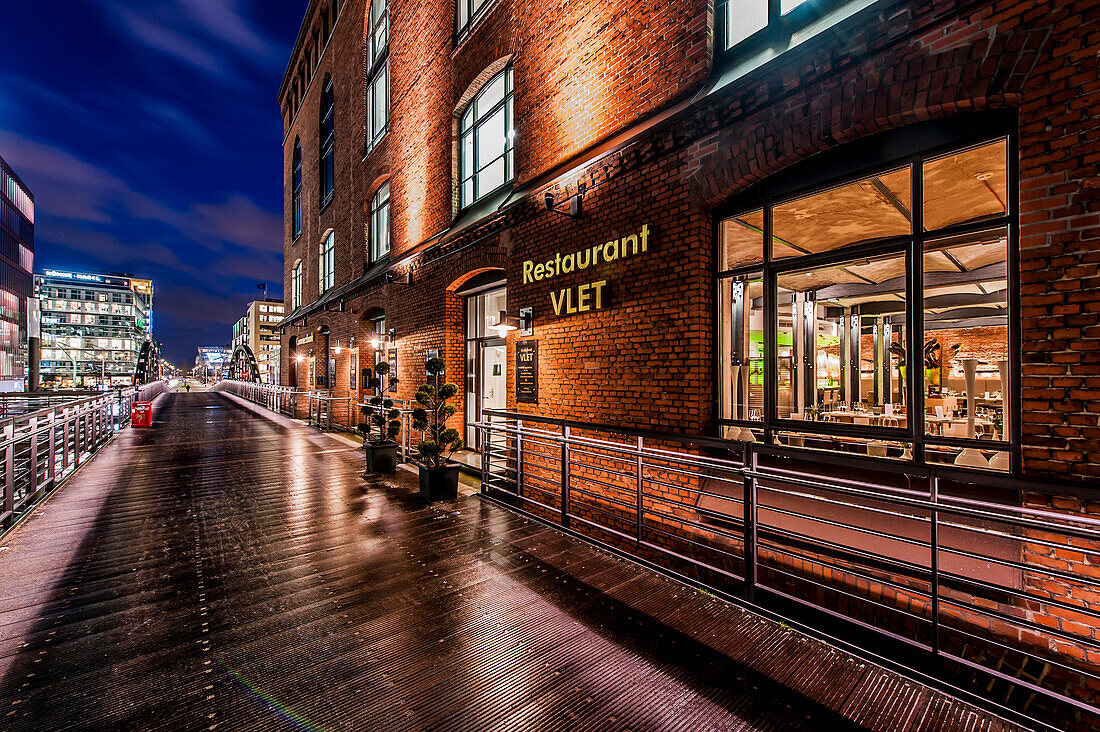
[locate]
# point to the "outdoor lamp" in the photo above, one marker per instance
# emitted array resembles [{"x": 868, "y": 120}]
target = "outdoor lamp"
[{"x": 506, "y": 322}]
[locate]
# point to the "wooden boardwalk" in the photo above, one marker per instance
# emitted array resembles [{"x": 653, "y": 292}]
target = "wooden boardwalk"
[{"x": 233, "y": 570}]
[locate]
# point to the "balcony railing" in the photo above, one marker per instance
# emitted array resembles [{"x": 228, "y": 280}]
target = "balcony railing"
[
  {"x": 42, "y": 448},
  {"x": 952, "y": 575}
]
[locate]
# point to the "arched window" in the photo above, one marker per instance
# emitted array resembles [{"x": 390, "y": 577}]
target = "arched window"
[
  {"x": 380, "y": 223},
  {"x": 296, "y": 287},
  {"x": 327, "y": 136},
  {"x": 378, "y": 73},
  {"x": 326, "y": 263},
  {"x": 486, "y": 139},
  {"x": 296, "y": 189}
]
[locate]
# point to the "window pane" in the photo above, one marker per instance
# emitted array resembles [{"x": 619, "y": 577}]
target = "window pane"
[
  {"x": 742, "y": 240},
  {"x": 840, "y": 328},
  {"x": 463, "y": 13},
  {"x": 877, "y": 207},
  {"x": 745, "y": 17},
  {"x": 491, "y": 178},
  {"x": 786, "y": 6},
  {"x": 490, "y": 96},
  {"x": 966, "y": 186},
  {"x": 490, "y": 139},
  {"x": 468, "y": 155},
  {"x": 966, "y": 336},
  {"x": 741, "y": 334}
]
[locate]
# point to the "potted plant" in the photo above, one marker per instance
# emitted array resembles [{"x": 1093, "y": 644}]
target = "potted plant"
[
  {"x": 438, "y": 476},
  {"x": 380, "y": 425}
]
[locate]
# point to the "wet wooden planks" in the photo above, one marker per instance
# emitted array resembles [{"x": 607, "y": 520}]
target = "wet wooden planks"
[{"x": 229, "y": 571}]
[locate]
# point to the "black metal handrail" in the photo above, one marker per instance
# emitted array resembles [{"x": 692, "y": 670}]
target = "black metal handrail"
[{"x": 871, "y": 553}]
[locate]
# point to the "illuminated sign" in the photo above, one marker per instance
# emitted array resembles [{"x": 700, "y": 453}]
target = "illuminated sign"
[
  {"x": 592, "y": 295},
  {"x": 305, "y": 340},
  {"x": 83, "y": 277}
]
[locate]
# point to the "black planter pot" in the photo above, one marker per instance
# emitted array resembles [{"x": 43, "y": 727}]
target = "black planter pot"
[
  {"x": 439, "y": 484},
  {"x": 381, "y": 456}
]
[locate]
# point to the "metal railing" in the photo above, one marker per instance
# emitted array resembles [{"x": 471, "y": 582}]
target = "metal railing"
[
  {"x": 42, "y": 448},
  {"x": 285, "y": 400},
  {"x": 405, "y": 438},
  {"x": 999, "y": 577},
  {"x": 320, "y": 407}
]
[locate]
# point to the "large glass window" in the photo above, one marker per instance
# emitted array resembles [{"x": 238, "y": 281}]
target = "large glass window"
[
  {"x": 487, "y": 139},
  {"x": 873, "y": 316},
  {"x": 296, "y": 189},
  {"x": 326, "y": 263},
  {"x": 380, "y": 223},
  {"x": 378, "y": 67},
  {"x": 327, "y": 138}
]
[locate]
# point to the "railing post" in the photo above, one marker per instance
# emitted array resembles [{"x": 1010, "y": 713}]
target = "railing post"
[
  {"x": 565, "y": 477},
  {"x": 77, "y": 430},
  {"x": 934, "y": 541},
  {"x": 519, "y": 457},
  {"x": 9, "y": 469},
  {"x": 65, "y": 440},
  {"x": 638, "y": 509},
  {"x": 51, "y": 469},
  {"x": 33, "y": 485},
  {"x": 749, "y": 521}
]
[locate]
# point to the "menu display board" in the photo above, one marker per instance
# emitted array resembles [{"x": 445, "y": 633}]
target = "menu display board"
[{"x": 527, "y": 372}]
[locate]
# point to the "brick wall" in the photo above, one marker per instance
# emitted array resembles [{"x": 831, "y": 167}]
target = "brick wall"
[{"x": 646, "y": 360}]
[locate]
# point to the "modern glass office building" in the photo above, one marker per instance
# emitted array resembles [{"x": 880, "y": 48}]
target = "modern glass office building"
[
  {"x": 93, "y": 326},
  {"x": 16, "y": 266}
]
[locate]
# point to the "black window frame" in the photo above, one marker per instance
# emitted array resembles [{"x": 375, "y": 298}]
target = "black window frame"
[
  {"x": 472, "y": 15},
  {"x": 326, "y": 264},
  {"x": 327, "y": 142},
  {"x": 296, "y": 191},
  {"x": 777, "y": 33},
  {"x": 376, "y": 207},
  {"x": 841, "y": 166},
  {"x": 377, "y": 65},
  {"x": 509, "y": 147}
]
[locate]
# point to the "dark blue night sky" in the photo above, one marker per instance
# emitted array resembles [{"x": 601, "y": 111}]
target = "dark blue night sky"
[{"x": 149, "y": 134}]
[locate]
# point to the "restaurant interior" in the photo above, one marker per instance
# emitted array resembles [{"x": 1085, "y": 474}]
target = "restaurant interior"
[{"x": 865, "y": 335}]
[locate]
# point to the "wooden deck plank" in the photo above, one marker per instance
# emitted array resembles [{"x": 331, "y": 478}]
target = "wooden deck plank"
[{"x": 228, "y": 571}]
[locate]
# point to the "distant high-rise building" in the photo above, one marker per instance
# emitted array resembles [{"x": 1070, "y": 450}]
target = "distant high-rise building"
[
  {"x": 259, "y": 330},
  {"x": 93, "y": 327},
  {"x": 16, "y": 268}
]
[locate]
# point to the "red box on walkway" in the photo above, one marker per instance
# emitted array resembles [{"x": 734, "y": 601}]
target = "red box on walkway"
[{"x": 141, "y": 414}]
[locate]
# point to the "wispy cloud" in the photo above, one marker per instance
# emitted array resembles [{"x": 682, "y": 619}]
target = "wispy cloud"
[{"x": 213, "y": 36}]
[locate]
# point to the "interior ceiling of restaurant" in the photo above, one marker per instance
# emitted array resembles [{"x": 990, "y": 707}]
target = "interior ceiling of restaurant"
[{"x": 962, "y": 271}]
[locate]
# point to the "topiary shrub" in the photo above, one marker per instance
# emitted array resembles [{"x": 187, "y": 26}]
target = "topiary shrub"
[
  {"x": 381, "y": 420},
  {"x": 432, "y": 415}
]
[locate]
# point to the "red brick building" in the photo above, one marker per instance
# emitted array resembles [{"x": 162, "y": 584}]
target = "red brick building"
[{"x": 857, "y": 227}]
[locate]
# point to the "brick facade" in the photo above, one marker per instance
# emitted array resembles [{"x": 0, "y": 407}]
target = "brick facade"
[{"x": 632, "y": 101}]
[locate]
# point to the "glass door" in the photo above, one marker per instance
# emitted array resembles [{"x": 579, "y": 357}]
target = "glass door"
[{"x": 486, "y": 358}]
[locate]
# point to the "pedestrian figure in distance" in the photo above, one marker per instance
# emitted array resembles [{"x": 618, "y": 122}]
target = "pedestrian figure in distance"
[{"x": 187, "y": 385}]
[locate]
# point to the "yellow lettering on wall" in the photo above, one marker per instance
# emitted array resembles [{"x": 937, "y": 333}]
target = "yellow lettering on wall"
[{"x": 556, "y": 299}]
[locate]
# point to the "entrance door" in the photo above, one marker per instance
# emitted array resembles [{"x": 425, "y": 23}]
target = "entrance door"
[
  {"x": 487, "y": 386},
  {"x": 486, "y": 357}
]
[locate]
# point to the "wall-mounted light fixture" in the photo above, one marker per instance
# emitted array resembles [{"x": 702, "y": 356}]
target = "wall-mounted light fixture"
[
  {"x": 382, "y": 339},
  {"x": 576, "y": 202},
  {"x": 507, "y": 323}
]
